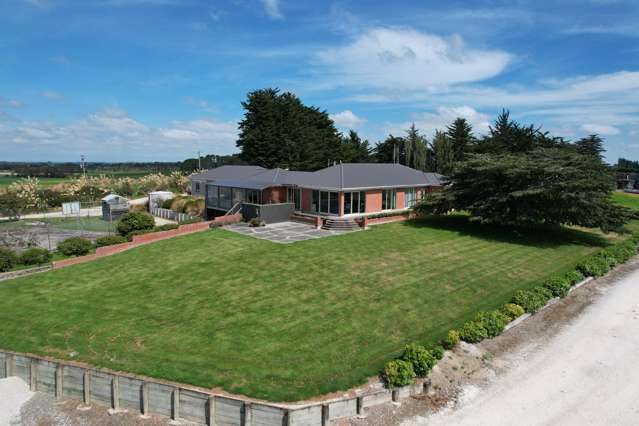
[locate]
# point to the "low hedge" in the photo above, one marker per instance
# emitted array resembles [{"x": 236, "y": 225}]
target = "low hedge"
[
  {"x": 512, "y": 311},
  {"x": 167, "y": 227},
  {"x": 420, "y": 358},
  {"x": 75, "y": 246},
  {"x": 558, "y": 286},
  {"x": 35, "y": 256},
  {"x": 8, "y": 259},
  {"x": 532, "y": 300},
  {"x": 110, "y": 240},
  {"x": 398, "y": 373},
  {"x": 192, "y": 220},
  {"x": 451, "y": 340}
]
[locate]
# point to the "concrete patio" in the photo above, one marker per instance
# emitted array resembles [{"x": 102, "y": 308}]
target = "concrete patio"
[{"x": 283, "y": 232}]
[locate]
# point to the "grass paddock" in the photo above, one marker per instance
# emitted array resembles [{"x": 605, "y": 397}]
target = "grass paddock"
[{"x": 279, "y": 322}]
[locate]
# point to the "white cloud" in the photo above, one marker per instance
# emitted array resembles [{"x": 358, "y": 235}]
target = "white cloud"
[
  {"x": 428, "y": 122},
  {"x": 272, "y": 8},
  {"x": 405, "y": 60},
  {"x": 347, "y": 120},
  {"x": 50, "y": 94},
  {"x": 600, "y": 129},
  {"x": 112, "y": 135}
]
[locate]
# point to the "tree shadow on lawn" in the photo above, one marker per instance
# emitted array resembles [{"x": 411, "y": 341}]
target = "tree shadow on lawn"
[{"x": 537, "y": 236}]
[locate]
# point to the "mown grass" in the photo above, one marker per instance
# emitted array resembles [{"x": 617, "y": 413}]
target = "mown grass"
[
  {"x": 626, "y": 199},
  {"x": 279, "y": 322}
]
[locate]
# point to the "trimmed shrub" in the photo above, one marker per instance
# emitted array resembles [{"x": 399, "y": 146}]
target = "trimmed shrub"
[
  {"x": 75, "y": 246},
  {"x": 593, "y": 267},
  {"x": 532, "y": 300},
  {"x": 419, "y": 357},
  {"x": 110, "y": 240},
  {"x": 166, "y": 204},
  {"x": 130, "y": 235},
  {"x": 512, "y": 311},
  {"x": 167, "y": 227},
  {"x": 437, "y": 352},
  {"x": 473, "y": 332},
  {"x": 493, "y": 322},
  {"x": 35, "y": 256},
  {"x": 8, "y": 259},
  {"x": 559, "y": 286},
  {"x": 192, "y": 220},
  {"x": 574, "y": 277},
  {"x": 134, "y": 221},
  {"x": 398, "y": 373},
  {"x": 451, "y": 340}
]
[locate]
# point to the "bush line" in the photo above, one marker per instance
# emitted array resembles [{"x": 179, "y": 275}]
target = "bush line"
[{"x": 416, "y": 361}]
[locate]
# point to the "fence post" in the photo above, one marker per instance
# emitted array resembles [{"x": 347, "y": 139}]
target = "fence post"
[
  {"x": 360, "y": 406},
  {"x": 325, "y": 414}
]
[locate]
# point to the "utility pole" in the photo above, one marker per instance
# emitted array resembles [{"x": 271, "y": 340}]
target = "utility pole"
[
  {"x": 199, "y": 160},
  {"x": 83, "y": 166}
]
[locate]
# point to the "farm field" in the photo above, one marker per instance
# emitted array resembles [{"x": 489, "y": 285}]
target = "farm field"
[
  {"x": 626, "y": 199},
  {"x": 279, "y": 322},
  {"x": 6, "y": 180}
]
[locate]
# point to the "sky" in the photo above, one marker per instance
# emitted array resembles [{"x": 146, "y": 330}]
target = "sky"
[{"x": 160, "y": 80}]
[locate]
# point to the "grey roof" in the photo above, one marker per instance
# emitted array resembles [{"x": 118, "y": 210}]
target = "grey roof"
[
  {"x": 228, "y": 172},
  {"x": 339, "y": 177}
]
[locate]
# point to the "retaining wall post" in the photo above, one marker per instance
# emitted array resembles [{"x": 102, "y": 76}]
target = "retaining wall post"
[
  {"x": 211, "y": 411},
  {"x": 325, "y": 414},
  {"x": 115, "y": 393},
  {"x": 87, "y": 387},
  {"x": 175, "y": 413},
  {"x": 395, "y": 395},
  {"x": 33, "y": 375},
  {"x": 145, "y": 399},
  {"x": 8, "y": 365},
  {"x": 360, "y": 406},
  {"x": 248, "y": 414},
  {"x": 58, "y": 381}
]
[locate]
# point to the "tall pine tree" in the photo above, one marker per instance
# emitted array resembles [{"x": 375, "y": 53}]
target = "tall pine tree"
[
  {"x": 278, "y": 130},
  {"x": 460, "y": 133}
]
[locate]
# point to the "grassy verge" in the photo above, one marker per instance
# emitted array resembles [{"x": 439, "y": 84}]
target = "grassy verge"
[{"x": 280, "y": 322}]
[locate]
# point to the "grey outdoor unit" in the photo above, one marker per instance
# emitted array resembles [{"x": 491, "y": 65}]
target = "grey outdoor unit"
[{"x": 114, "y": 206}]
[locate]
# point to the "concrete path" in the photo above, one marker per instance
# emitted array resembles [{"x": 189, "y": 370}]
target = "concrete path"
[
  {"x": 283, "y": 232},
  {"x": 586, "y": 375},
  {"x": 13, "y": 393}
]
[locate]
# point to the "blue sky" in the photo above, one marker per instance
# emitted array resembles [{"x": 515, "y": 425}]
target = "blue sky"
[{"x": 120, "y": 80}]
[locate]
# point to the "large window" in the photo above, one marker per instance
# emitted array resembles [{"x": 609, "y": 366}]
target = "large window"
[
  {"x": 293, "y": 195},
  {"x": 388, "y": 199},
  {"x": 325, "y": 202},
  {"x": 253, "y": 196},
  {"x": 212, "y": 195},
  {"x": 354, "y": 202},
  {"x": 410, "y": 197}
]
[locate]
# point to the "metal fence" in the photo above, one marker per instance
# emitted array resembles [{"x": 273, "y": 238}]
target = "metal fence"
[{"x": 170, "y": 214}]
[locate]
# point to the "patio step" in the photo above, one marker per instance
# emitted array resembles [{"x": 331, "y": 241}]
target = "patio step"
[{"x": 340, "y": 224}]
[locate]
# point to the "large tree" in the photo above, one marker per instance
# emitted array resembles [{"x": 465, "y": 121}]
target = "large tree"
[
  {"x": 391, "y": 150},
  {"x": 460, "y": 133},
  {"x": 443, "y": 153},
  {"x": 415, "y": 149},
  {"x": 354, "y": 149},
  {"x": 278, "y": 130},
  {"x": 542, "y": 186},
  {"x": 591, "y": 145}
]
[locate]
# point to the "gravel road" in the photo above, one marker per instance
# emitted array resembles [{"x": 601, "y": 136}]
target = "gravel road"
[{"x": 585, "y": 375}]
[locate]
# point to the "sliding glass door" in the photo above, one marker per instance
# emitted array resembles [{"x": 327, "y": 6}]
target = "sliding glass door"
[
  {"x": 354, "y": 202},
  {"x": 325, "y": 202}
]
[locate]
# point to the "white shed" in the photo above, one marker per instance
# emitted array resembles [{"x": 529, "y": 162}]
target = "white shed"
[{"x": 156, "y": 198}]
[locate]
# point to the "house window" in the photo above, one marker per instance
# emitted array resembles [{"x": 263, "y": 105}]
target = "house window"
[
  {"x": 410, "y": 197},
  {"x": 388, "y": 199},
  {"x": 354, "y": 202},
  {"x": 333, "y": 203},
  {"x": 253, "y": 196},
  {"x": 315, "y": 204},
  {"x": 197, "y": 187}
]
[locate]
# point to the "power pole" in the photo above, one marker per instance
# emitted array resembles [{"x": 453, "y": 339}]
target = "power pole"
[
  {"x": 83, "y": 166},
  {"x": 199, "y": 160}
]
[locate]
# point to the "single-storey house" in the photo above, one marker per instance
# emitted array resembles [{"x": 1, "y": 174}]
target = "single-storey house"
[{"x": 342, "y": 190}]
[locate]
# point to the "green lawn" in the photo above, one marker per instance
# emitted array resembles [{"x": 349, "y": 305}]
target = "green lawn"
[
  {"x": 626, "y": 199},
  {"x": 279, "y": 322}
]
